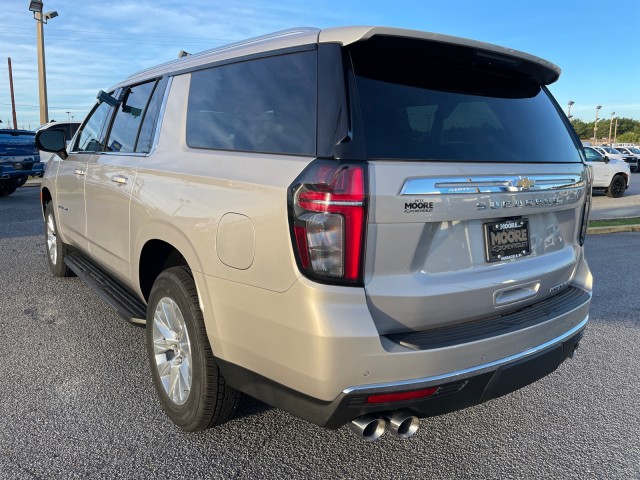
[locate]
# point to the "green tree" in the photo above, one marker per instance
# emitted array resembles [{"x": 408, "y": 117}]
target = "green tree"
[
  {"x": 625, "y": 125},
  {"x": 628, "y": 137},
  {"x": 580, "y": 127}
]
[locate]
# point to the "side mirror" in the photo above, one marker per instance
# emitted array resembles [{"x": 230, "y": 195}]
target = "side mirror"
[
  {"x": 606, "y": 159},
  {"x": 52, "y": 141}
]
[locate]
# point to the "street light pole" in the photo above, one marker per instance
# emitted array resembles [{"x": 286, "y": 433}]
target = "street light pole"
[
  {"x": 13, "y": 98},
  {"x": 611, "y": 125},
  {"x": 42, "y": 71},
  {"x": 595, "y": 125},
  {"x": 41, "y": 18},
  {"x": 615, "y": 132},
  {"x": 571, "y": 102}
]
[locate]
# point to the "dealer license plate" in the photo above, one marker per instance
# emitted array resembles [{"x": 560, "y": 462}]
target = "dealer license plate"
[{"x": 507, "y": 239}]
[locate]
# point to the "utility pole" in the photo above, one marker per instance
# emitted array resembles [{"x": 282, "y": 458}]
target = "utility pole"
[
  {"x": 571, "y": 102},
  {"x": 611, "y": 125},
  {"x": 595, "y": 125},
  {"x": 41, "y": 18},
  {"x": 13, "y": 100},
  {"x": 42, "y": 84},
  {"x": 615, "y": 132}
]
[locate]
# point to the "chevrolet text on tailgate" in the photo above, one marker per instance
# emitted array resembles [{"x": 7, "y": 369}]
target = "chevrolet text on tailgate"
[{"x": 358, "y": 225}]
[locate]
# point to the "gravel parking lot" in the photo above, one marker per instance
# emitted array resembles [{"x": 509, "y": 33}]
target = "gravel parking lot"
[{"x": 77, "y": 399}]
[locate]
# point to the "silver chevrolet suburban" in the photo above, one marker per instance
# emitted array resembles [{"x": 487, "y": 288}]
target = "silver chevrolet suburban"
[{"x": 358, "y": 225}]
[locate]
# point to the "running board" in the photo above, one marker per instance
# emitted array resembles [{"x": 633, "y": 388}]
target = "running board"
[{"x": 120, "y": 298}]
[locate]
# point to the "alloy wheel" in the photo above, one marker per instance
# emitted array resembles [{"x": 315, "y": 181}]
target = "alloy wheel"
[
  {"x": 172, "y": 350},
  {"x": 52, "y": 241}
]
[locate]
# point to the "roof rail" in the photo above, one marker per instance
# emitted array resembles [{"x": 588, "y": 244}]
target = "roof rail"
[{"x": 222, "y": 48}]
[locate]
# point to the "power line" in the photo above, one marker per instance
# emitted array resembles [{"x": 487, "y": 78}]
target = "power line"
[
  {"x": 51, "y": 30},
  {"x": 58, "y": 72},
  {"x": 55, "y": 108},
  {"x": 56, "y": 40}
]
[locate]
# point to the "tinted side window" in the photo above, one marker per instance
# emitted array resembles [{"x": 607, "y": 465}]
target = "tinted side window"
[
  {"x": 145, "y": 138},
  {"x": 592, "y": 155},
  {"x": 263, "y": 105},
  {"x": 90, "y": 138},
  {"x": 126, "y": 125}
]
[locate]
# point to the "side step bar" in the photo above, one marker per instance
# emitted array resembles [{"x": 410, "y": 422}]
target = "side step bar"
[{"x": 120, "y": 298}]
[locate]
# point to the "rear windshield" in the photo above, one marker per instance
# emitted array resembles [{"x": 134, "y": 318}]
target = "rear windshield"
[
  {"x": 426, "y": 102},
  {"x": 17, "y": 143}
]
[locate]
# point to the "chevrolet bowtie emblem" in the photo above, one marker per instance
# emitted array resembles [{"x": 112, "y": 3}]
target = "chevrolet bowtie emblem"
[{"x": 525, "y": 183}]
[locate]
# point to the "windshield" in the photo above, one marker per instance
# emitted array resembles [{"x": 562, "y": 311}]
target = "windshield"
[
  {"x": 416, "y": 106},
  {"x": 635, "y": 150},
  {"x": 611, "y": 150}
]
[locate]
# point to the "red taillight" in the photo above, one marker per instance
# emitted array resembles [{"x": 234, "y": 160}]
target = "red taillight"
[
  {"x": 328, "y": 206},
  {"x": 402, "y": 396}
]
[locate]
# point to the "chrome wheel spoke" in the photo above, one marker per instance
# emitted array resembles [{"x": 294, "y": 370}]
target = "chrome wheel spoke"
[
  {"x": 163, "y": 345},
  {"x": 51, "y": 240},
  {"x": 185, "y": 372},
  {"x": 172, "y": 350},
  {"x": 174, "y": 383}
]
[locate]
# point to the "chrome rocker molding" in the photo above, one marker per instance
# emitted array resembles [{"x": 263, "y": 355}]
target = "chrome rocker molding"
[{"x": 467, "y": 372}]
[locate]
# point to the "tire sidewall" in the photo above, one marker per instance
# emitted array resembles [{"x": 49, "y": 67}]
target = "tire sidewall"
[
  {"x": 189, "y": 413},
  {"x": 618, "y": 179}
]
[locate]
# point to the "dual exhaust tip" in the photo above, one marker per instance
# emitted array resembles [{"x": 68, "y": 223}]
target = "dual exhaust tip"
[{"x": 371, "y": 427}]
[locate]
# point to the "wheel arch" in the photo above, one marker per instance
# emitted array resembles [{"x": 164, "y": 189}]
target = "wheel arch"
[
  {"x": 45, "y": 198},
  {"x": 156, "y": 256}
]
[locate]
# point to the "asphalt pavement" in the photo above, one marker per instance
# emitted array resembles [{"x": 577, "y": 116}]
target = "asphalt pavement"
[
  {"x": 77, "y": 399},
  {"x": 628, "y": 205}
]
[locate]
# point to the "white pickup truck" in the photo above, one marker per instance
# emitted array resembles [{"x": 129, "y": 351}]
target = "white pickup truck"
[{"x": 608, "y": 174}]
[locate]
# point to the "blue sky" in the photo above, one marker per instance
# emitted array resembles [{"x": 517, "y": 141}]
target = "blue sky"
[{"x": 92, "y": 45}]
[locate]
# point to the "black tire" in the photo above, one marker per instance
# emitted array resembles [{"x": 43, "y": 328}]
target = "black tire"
[
  {"x": 210, "y": 401},
  {"x": 617, "y": 187},
  {"x": 7, "y": 188},
  {"x": 56, "y": 250}
]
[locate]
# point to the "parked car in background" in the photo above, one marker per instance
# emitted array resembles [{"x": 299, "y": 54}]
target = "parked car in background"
[
  {"x": 19, "y": 159},
  {"x": 613, "y": 154},
  {"x": 309, "y": 219},
  {"x": 68, "y": 128},
  {"x": 633, "y": 153},
  {"x": 612, "y": 176}
]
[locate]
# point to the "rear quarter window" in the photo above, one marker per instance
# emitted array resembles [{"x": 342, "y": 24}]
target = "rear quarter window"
[{"x": 264, "y": 105}]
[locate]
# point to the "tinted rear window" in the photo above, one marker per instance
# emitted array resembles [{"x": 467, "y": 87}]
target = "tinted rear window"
[
  {"x": 17, "y": 143},
  {"x": 418, "y": 102}
]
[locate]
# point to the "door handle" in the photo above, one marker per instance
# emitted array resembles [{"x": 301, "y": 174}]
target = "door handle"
[
  {"x": 515, "y": 294},
  {"x": 120, "y": 179},
  {"x": 77, "y": 171}
]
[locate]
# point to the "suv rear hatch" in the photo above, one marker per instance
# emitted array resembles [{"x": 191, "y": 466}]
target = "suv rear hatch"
[{"x": 477, "y": 186}]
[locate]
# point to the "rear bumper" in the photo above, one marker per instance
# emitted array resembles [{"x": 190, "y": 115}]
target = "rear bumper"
[
  {"x": 457, "y": 390},
  {"x": 314, "y": 351},
  {"x": 8, "y": 172}
]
